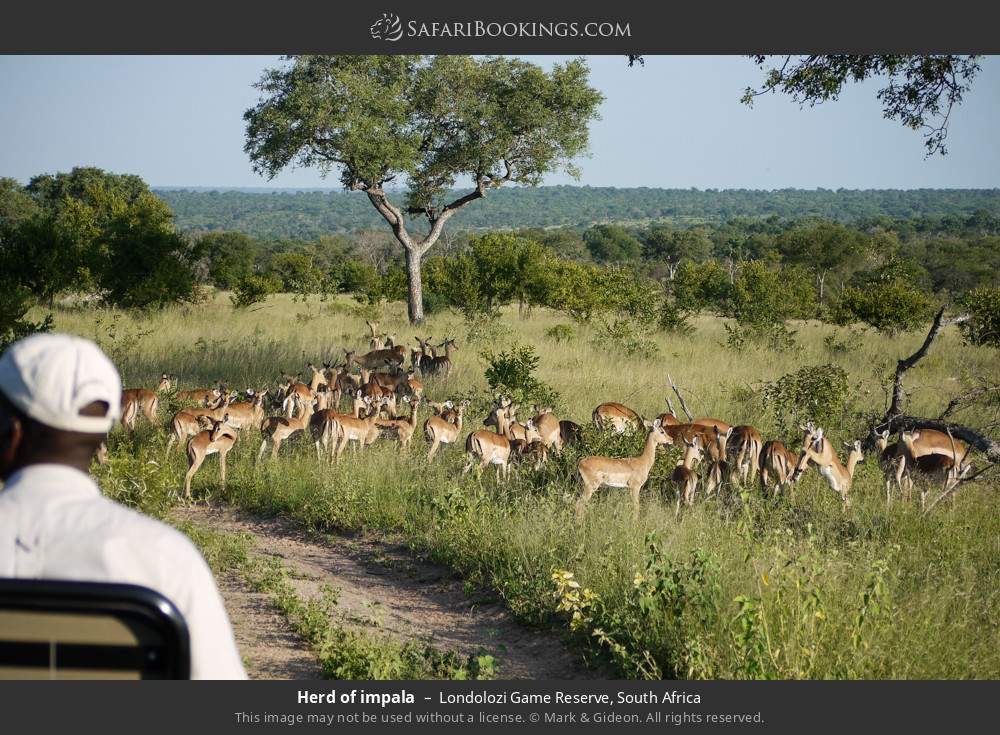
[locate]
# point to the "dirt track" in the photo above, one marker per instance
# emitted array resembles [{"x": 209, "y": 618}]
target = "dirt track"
[{"x": 383, "y": 587}]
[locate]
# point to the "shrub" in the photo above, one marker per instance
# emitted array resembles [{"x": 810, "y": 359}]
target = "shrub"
[
  {"x": 813, "y": 393},
  {"x": 889, "y": 306},
  {"x": 983, "y": 307},
  {"x": 253, "y": 289},
  {"x": 621, "y": 336},
  {"x": 674, "y": 319},
  {"x": 512, "y": 374},
  {"x": 560, "y": 333}
]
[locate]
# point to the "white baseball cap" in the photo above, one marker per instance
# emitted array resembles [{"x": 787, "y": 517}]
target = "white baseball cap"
[{"x": 50, "y": 377}]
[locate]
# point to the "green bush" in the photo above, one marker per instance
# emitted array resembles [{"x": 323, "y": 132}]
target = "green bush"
[
  {"x": 512, "y": 374},
  {"x": 983, "y": 307},
  {"x": 253, "y": 289},
  {"x": 560, "y": 333},
  {"x": 889, "y": 307},
  {"x": 815, "y": 393}
]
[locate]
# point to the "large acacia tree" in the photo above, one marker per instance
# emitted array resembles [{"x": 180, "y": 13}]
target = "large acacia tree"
[{"x": 423, "y": 123}]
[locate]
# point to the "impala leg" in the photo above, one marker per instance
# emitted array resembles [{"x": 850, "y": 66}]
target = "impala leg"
[
  {"x": 222, "y": 468},
  {"x": 194, "y": 463},
  {"x": 588, "y": 490},
  {"x": 434, "y": 447},
  {"x": 634, "y": 492},
  {"x": 260, "y": 453},
  {"x": 275, "y": 446}
]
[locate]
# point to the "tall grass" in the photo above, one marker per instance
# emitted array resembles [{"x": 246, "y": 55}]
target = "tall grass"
[{"x": 737, "y": 587}]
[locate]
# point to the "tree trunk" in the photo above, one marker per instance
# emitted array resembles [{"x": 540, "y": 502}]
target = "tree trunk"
[{"x": 415, "y": 299}]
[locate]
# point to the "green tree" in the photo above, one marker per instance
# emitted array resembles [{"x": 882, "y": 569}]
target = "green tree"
[
  {"x": 983, "y": 307},
  {"x": 664, "y": 243},
  {"x": 890, "y": 306},
  {"x": 230, "y": 257},
  {"x": 16, "y": 203},
  {"x": 825, "y": 248},
  {"x": 430, "y": 120},
  {"x": 296, "y": 272},
  {"x": 611, "y": 244}
]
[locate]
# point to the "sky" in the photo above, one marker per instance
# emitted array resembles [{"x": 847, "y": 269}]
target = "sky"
[{"x": 675, "y": 123}]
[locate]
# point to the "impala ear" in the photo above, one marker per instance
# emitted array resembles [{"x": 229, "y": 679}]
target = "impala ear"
[
  {"x": 656, "y": 423},
  {"x": 914, "y": 435},
  {"x": 884, "y": 434}
]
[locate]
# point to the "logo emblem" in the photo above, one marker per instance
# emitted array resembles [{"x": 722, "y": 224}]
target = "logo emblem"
[{"x": 387, "y": 28}]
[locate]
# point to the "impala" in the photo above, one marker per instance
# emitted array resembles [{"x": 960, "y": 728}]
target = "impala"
[
  {"x": 491, "y": 448},
  {"x": 136, "y": 400},
  {"x": 630, "y": 472},
  {"x": 318, "y": 376},
  {"x": 718, "y": 466},
  {"x": 817, "y": 449},
  {"x": 322, "y": 423},
  {"x": 295, "y": 393},
  {"x": 187, "y": 422},
  {"x": 401, "y": 429},
  {"x": 376, "y": 342},
  {"x": 777, "y": 465},
  {"x": 746, "y": 443},
  {"x": 685, "y": 477},
  {"x": 278, "y": 429},
  {"x": 200, "y": 395},
  {"x": 713, "y": 423},
  {"x": 440, "y": 364},
  {"x": 377, "y": 358},
  {"x": 548, "y": 429},
  {"x": 439, "y": 431},
  {"x": 247, "y": 413},
  {"x": 361, "y": 431},
  {"x": 621, "y": 419},
  {"x": 892, "y": 461},
  {"x": 217, "y": 440},
  {"x": 934, "y": 453}
]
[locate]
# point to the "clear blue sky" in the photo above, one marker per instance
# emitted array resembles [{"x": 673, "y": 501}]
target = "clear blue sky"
[{"x": 677, "y": 122}]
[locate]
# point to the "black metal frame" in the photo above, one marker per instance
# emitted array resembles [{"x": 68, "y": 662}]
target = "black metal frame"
[{"x": 132, "y": 604}]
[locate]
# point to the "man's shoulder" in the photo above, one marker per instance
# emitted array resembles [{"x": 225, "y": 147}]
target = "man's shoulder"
[{"x": 123, "y": 521}]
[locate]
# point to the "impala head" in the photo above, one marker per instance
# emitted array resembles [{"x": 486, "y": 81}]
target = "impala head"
[
  {"x": 656, "y": 431},
  {"x": 812, "y": 443},
  {"x": 692, "y": 448},
  {"x": 908, "y": 438},
  {"x": 219, "y": 428},
  {"x": 531, "y": 432},
  {"x": 164, "y": 384},
  {"x": 854, "y": 452},
  {"x": 882, "y": 439}
]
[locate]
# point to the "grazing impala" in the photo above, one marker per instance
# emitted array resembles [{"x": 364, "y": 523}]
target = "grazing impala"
[
  {"x": 928, "y": 453},
  {"x": 746, "y": 443},
  {"x": 713, "y": 423},
  {"x": 630, "y": 472},
  {"x": 569, "y": 432},
  {"x": 277, "y": 429},
  {"x": 817, "y": 449},
  {"x": 217, "y": 440},
  {"x": 777, "y": 465},
  {"x": 488, "y": 447},
  {"x": 621, "y": 419},
  {"x": 200, "y": 395},
  {"x": 376, "y": 359},
  {"x": 684, "y": 476},
  {"x": 439, "y": 431}
]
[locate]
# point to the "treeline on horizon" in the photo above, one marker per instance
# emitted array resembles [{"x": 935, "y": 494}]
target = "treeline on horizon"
[
  {"x": 310, "y": 214},
  {"x": 110, "y": 238}
]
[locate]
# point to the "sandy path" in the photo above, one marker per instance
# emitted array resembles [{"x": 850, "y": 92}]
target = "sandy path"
[{"x": 383, "y": 587}]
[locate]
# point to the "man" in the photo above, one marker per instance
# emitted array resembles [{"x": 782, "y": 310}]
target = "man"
[{"x": 59, "y": 397}]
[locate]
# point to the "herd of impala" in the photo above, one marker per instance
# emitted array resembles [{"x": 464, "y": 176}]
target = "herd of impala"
[{"x": 714, "y": 452}]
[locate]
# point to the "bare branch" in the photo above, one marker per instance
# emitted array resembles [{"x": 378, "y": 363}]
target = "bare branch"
[{"x": 677, "y": 391}]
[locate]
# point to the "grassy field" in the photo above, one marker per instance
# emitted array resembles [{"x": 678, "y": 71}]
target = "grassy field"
[{"x": 737, "y": 587}]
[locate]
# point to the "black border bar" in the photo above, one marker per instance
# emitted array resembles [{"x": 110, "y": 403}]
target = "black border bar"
[{"x": 332, "y": 26}]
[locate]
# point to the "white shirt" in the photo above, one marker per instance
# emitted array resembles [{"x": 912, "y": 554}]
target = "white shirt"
[{"x": 56, "y": 524}]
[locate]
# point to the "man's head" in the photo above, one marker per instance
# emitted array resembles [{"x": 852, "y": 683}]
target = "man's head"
[{"x": 59, "y": 397}]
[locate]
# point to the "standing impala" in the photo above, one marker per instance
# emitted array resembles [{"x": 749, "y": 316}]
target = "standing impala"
[
  {"x": 247, "y": 413},
  {"x": 630, "y": 472},
  {"x": 549, "y": 429},
  {"x": 360, "y": 431},
  {"x": 746, "y": 443},
  {"x": 817, "y": 449},
  {"x": 777, "y": 465},
  {"x": 322, "y": 423},
  {"x": 684, "y": 476},
  {"x": 217, "y": 440},
  {"x": 277, "y": 429},
  {"x": 933, "y": 452},
  {"x": 401, "y": 429},
  {"x": 187, "y": 422},
  {"x": 439, "y": 431},
  {"x": 440, "y": 364},
  {"x": 318, "y": 376}
]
